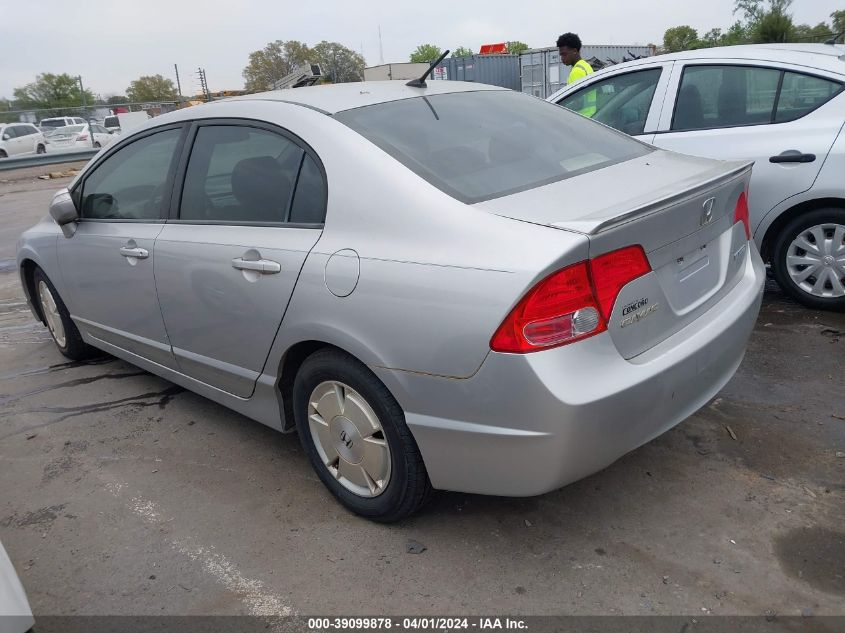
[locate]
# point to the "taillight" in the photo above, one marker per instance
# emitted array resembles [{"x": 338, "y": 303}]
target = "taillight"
[
  {"x": 613, "y": 270},
  {"x": 741, "y": 214},
  {"x": 571, "y": 304},
  {"x": 82, "y": 137}
]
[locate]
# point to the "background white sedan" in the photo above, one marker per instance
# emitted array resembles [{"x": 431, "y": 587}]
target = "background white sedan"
[
  {"x": 780, "y": 105},
  {"x": 82, "y": 136}
]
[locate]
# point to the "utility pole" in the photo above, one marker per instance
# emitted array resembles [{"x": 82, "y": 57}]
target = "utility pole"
[
  {"x": 178, "y": 85},
  {"x": 380, "y": 47},
  {"x": 85, "y": 109},
  {"x": 204, "y": 84}
]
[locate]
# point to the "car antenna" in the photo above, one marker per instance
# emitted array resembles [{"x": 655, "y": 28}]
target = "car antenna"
[
  {"x": 420, "y": 83},
  {"x": 833, "y": 39}
]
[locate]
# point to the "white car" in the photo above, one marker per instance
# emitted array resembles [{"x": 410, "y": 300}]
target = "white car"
[
  {"x": 15, "y": 613},
  {"x": 20, "y": 138},
  {"x": 47, "y": 125},
  {"x": 83, "y": 136},
  {"x": 780, "y": 105}
]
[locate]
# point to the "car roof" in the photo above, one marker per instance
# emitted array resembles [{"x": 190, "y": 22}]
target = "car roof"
[
  {"x": 830, "y": 57},
  {"x": 339, "y": 97}
]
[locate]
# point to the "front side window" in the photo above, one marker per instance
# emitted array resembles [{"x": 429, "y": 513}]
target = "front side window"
[
  {"x": 621, "y": 101},
  {"x": 481, "y": 145},
  {"x": 725, "y": 96},
  {"x": 10, "y": 132},
  {"x": 131, "y": 183},
  {"x": 239, "y": 174}
]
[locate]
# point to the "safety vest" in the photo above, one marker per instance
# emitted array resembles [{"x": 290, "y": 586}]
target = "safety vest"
[{"x": 580, "y": 70}]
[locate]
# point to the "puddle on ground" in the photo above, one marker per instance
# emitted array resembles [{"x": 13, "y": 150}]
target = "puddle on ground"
[{"x": 816, "y": 556}]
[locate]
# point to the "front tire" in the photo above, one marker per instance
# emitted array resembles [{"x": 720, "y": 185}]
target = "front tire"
[
  {"x": 41, "y": 149},
  {"x": 809, "y": 259},
  {"x": 3, "y": 154},
  {"x": 97, "y": 146},
  {"x": 56, "y": 317},
  {"x": 355, "y": 436}
]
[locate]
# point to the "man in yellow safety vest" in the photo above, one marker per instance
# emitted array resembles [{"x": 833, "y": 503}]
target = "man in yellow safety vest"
[{"x": 569, "y": 47}]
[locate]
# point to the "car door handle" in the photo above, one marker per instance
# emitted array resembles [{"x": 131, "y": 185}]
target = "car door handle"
[
  {"x": 137, "y": 253},
  {"x": 792, "y": 156},
  {"x": 263, "y": 266}
]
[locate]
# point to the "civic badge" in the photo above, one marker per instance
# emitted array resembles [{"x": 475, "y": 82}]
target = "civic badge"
[{"x": 707, "y": 211}]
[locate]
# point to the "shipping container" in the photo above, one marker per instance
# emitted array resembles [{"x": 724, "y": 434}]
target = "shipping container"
[
  {"x": 543, "y": 74},
  {"x": 386, "y": 72},
  {"x": 496, "y": 70}
]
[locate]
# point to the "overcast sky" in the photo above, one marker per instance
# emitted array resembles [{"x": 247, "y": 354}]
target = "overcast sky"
[{"x": 112, "y": 42}]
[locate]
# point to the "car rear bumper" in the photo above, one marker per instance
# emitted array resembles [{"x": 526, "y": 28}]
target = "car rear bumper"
[{"x": 527, "y": 424}]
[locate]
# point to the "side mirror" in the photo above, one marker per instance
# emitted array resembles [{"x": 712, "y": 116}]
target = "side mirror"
[{"x": 63, "y": 211}]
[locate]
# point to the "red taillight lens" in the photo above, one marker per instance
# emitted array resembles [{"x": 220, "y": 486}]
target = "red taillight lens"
[
  {"x": 82, "y": 137},
  {"x": 571, "y": 304},
  {"x": 741, "y": 214},
  {"x": 613, "y": 270}
]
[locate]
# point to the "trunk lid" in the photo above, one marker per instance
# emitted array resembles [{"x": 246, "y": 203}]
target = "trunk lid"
[{"x": 680, "y": 209}]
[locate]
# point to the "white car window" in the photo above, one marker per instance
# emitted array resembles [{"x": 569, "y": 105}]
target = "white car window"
[
  {"x": 801, "y": 94},
  {"x": 725, "y": 96},
  {"x": 621, "y": 101}
]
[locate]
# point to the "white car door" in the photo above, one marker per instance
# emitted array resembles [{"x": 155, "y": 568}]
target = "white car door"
[
  {"x": 782, "y": 118},
  {"x": 629, "y": 99},
  {"x": 17, "y": 144}
]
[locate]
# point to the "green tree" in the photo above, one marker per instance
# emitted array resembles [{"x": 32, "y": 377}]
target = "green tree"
[
  {"x": 117, "y": 99},
  {"x": 151, "y": 88},
  {"x": 273, "y": 62},
  {"x": 426, "y": 53},
  {"x": 774, "y": 25},
  {"x": 838, "y": 25},
  {"x": 807, "y": 33},
  {"x": 680, "y": 38},
  {"x": 338, "y": 63},
  {"x": 51, "y": 91},
  {"x": 516, "y": 47},
  {"x": 461, "y": 51},
  {"x": 736, "y": 34}
]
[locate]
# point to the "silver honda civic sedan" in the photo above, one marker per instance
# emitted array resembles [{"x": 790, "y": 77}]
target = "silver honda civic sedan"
[{"x": 450, "y": 286}]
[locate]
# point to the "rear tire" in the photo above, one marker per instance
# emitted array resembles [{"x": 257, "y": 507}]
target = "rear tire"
[
  {"x": 56, "y": 317},
  {"x": 97, "y": 146},
  {"x": 3, "y": 154},
  {"x": 387, "y": 480},
  {"x": 41, "y": 149},
  {"x": 809, "y": 259}
]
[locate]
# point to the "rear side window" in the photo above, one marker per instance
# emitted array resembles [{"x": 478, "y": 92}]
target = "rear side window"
[
  {"x": 801, "y": 94},
  {"x": 131, "y": 183},
  {"x": 239, "y": 174},
  {"x": 309, "y": 200},
  {"x": 481, "y": 145},
  {"x": 725, "y": 96}
]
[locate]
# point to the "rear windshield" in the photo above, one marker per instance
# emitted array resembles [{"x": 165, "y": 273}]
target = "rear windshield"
[
  {"x": 476, "y": 146},
  {"x": 53, "y": 123},
  {"x": 111, "y": 121}
]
